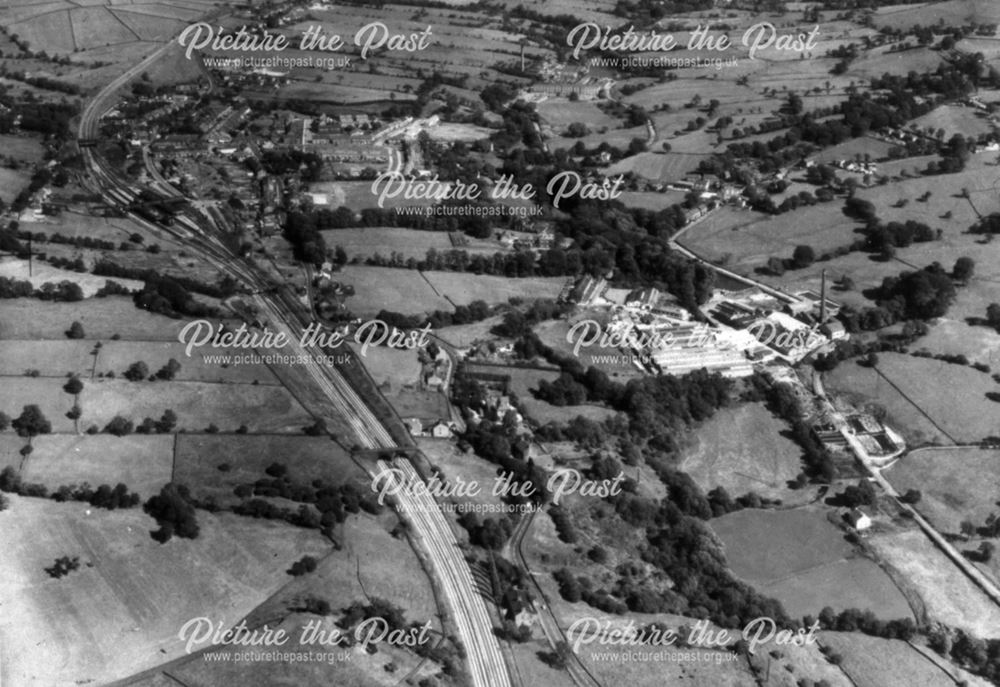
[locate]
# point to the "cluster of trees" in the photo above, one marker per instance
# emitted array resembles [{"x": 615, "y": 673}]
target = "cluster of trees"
[
  {"x": 66, "y": 291},
  {"x": 304, "y": 565},
  {"x": 489, "y": 533},
  {"x": 225, "y": 288},
  {"x": 165, "y": 425},
  {"x": 104, "y": 496},
  {"x": 173, "y": 510},
  {"x": 321, "y": 505},
  {"x": 63, "y": 566},
  {"x": 302, "y": 230},
  {"x": 476, "y": 311},
  {"x": 167, "y": 296}
]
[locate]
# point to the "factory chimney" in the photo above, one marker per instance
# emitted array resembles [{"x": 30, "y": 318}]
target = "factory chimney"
[{"x": 822, "y": 297}]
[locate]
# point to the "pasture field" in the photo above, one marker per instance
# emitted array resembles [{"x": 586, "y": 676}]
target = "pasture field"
[
  {"x": 419, "y": 403},
  {"x": 949, "y": 597},
  {"x": 386, "y": 288},
  {"x": 121, "y": 611},
  {"x": 77, "y": 356},
  {"x": 142, "y": 462},
  {"x": 850, "y": 149},
  {"x": 899, "y": 378},
  {"x": 464, "y": 335},
  {"x": 800, "y": 558},
  {"x": 11, "y": 183},
  {"x": 741, "y": 449},
  {"x": 398, "y": 366},
  {"x": 197, "y": 404},
  {"x": 14, "y": 268},
  {"x": 957, "y": 484},
  {"x": 463, "y": 288},
  {"x": 877, "y": 662},
  {"x": 559, "y": 113},
  {"x": 102, "y": 318},
  {"x": 956, "y": 119},
  {"x": 659, "y": 166},
  {"x": 955, "y": 12},
  {"x": 649, "y": 200},
  {"x": 74, "y": 224},
  {"x": 198, "y": 457},
  {"x": 22, "y": 147},
  {"x": 749, "y": 239},
  {"x": 368, "y": 241},
  {"x": 467, "y": 466}
]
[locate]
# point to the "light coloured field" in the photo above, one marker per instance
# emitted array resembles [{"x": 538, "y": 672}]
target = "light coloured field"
[
  {"x": 395, "y": 365},
  {"x": 850, "y": 149},
  {"x": 142, "y": 462},
  {"x": 559, "y": 113},
  {"x": 741, "y": 449},
  {"x": 14, "y": 268},
  {"x": 876, "y": 662},
  {"x": 59, "y": 357},
  {"x": 801, "y": 559},
  {"x": 749, "y": 239},
  {"x": 930, "y": 386},
  {"x": 957, "y": 12},
  {"x": 21, "y": 147},
  {"x": 949, "y": 596},
  {"x": 659, "y": 166},
  {"x": 385, "y": 288},
  {"x": 462, "y": 288},
  {"x": 197, "y": 404},
  {"x": 102, "y": 318},
  {"x": 955, "y": 119},
  {"x": 957, "y": 484},
  {"x": 455, "y": 464},
  {"x": 121, "y": 612},
  {"x": 368, "y": 241},
  {"x": 96, "y": 26},
  {"x": 464, "y": 335},
  {"x": 307, "y": 458},
  {"x": 11, "y": 183}
]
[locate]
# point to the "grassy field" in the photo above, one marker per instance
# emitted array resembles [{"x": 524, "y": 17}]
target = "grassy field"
[
  {"x": 467, "y": 466},
  {"x": 741, "y": 449},
  {"x": 463, "y": 335},
  {"x": 198, "y": 457},
  {"x": 462, "y": 288},
  {"x": 61, "y": 357},
  {"x": 875, "y": 662},
  {"x": 957, "y": 484},
  {"x": 949, "y": 597},
  {"x": 121, "y": 611},
  {"x": 385, "y": 288},
  {"x": 142, "y": 462},
  {"x": 197, "y": 404},
  {"x": 368, "y": 241},
  {"x": 801, "y": 559},
  {"x": 910, "y": 390},
  {"x": 395, "y": 365},
  {"x": 29, "y": 319},
  {"x": 958, "y": 12},
  {"x": 41, "y": 273}
]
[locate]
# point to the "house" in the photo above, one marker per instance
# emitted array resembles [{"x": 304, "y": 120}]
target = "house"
[
  {"x": 833, "y": 330},
  {"x": 440, "y": 430},
  {"x": 858, "y": 519}
]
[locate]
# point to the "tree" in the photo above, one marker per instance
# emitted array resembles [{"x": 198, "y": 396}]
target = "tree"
[
  {"x": 74, "y": 386},
  {"x": 168, "y": 371},
  {"x": 776, "y": 266},
  {"x": 911, "y": 496},
  {"x": 119, "y": 426},
  {"x": 75, "y": 331},
  {"x": 137, "y": 372},
  {"x": 986, "y": 550},
  {"x": 968, "y": 528},
  {"x": 993, "y": 315},
  {"x": 31, "y": 422},
  {"x": 304, "y": 565},
  {"x": 803, "y": 256},
  {"x": 964, "y": 268},
  {"x": 174, "y": 513}
]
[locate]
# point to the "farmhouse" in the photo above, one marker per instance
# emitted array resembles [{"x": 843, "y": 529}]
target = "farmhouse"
[{"x": 858, "y": 519}]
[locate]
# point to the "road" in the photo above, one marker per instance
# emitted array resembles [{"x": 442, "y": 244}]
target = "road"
[{"x": 486, "y": 665}]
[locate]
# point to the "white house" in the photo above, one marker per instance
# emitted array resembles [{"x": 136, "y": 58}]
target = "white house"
[{"x": 858, "y": 519}]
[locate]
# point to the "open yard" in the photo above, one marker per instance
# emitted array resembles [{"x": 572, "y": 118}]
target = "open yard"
[
  {"x": 802, "y": 559},
  {"x": 120, "y": 613},
  {"x": 742, "y": 449}
]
